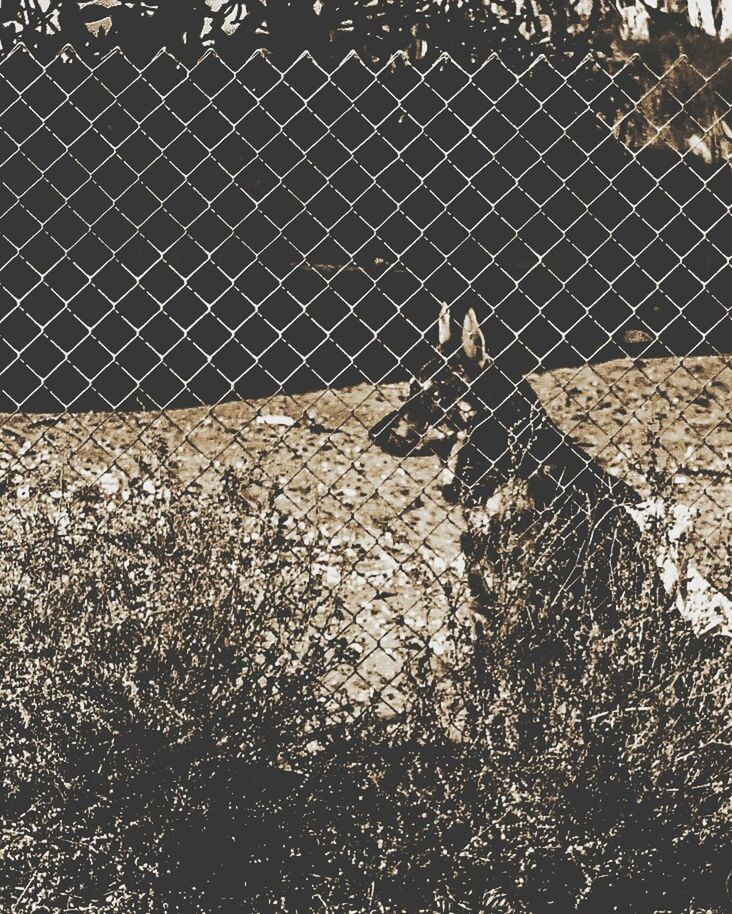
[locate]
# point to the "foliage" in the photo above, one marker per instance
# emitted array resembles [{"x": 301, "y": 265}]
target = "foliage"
[
  {"x": 159, "y": 660},
  {"x": 467, "y": 29},
  {"x": 169, "y": 744}
]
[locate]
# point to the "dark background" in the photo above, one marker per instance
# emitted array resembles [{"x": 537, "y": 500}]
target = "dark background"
[{"x": 174, "y": 237}]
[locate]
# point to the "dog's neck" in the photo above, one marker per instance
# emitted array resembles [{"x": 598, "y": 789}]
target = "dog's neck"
[
  {"x": 517, "y": 439},
  {"x": 516, "y": 432}
]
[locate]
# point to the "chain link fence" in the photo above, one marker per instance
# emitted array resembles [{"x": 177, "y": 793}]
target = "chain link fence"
[{"x": 237, "y": 267}]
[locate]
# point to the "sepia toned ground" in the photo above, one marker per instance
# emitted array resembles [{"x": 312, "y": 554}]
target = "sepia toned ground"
[{"x": 395, "y": 562}]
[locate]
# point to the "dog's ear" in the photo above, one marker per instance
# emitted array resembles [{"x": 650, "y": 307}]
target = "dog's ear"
[
  {"x": 473, "y": 340},
  {"x": 443, "y": 325}
]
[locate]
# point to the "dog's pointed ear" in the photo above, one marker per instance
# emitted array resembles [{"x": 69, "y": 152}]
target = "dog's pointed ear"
[
  {"x": 443, "y": 325},
  {"x": 473, "y": 340}
]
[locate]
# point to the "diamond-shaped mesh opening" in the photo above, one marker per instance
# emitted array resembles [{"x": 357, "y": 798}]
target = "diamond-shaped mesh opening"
[
  {"x": 210, "y": 127},
  {"x": 19, "y": 121},
  {"x": 138, "y": 255},
  {"x": 186, "y": 205},
  {"x": 139, "y": 99},
  {"x": 186, "y": 101},
  {"x": 116, "y": 73},
  {"x": 115, "y": 176},
  {"x": 43, "y": 96},
  {"x": 42, "y": 200},
  {"x": 66, "y": 175},
  {"x": 42, "y": 252},
  {"x": 20, "y": 69},
  {"x": 211, "y": 74},
  {"x": 161, "y": 127},
  {"x": 20, "y": 173},
  {"x": 234, "y": 101},
  {"x": 91, "y": 99},
  {"x": 164, "y": 73},
  {"x": 162, "y": 177},
  {"x": 304, "y": 181}
]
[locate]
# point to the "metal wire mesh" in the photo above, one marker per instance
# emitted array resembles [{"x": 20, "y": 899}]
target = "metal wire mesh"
[{"x": 229, "y": 260}]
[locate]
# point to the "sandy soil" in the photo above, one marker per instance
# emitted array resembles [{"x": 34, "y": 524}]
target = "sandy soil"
[{"x": 395, "y": 541}]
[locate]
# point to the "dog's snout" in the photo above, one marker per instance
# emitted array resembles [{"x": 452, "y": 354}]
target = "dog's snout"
[
  {"x": 383, "y": 429},
  {"x": 394, "y": 435}
]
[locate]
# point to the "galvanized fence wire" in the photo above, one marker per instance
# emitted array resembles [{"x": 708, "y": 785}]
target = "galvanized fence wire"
[{"x": 178, "y": 237}]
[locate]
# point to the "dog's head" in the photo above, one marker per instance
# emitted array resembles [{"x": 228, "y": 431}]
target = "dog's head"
[{"x": 441, "y": 402}]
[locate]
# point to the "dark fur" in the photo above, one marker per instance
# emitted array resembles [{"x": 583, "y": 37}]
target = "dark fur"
[{"x": 527, "y": 489}]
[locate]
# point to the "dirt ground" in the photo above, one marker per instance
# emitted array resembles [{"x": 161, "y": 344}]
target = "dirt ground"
[{"x": 395, "y": 542}]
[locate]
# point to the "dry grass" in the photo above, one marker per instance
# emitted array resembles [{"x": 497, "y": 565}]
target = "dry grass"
[{"x": 170, "y": 744}]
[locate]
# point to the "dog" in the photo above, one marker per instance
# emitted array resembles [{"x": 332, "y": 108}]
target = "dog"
[{"x": 525, "y": 485}]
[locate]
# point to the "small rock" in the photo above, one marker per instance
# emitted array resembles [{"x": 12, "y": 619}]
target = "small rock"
[
  {"x": 109, "y": 483},
  {"x": 275, "y": 420}
]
